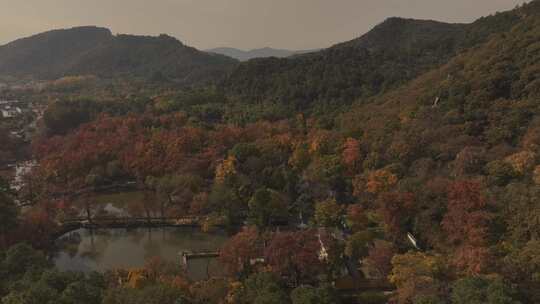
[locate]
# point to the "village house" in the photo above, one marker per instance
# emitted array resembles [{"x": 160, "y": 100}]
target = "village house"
[
  {"x": 10, "y": 112},
  {"x": 8, "y": 102},
  {"x": 10, "y": 108}
]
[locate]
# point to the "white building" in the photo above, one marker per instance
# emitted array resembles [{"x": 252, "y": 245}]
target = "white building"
[
  {"x": 9, "y": 112},
  {"x": 8, "y": 102}
]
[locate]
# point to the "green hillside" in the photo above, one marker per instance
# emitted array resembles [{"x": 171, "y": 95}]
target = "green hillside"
[
  {"x": 400, "y": 167},
  {"x": 476, "y": 119},
  {"x": 92, "y": 50},
  {"x": 50, "y": 53},
  {"x": 394, "y": 52}
]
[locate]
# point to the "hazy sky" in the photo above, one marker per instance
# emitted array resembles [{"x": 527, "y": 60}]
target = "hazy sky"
[{"x": 292, "y": 24}]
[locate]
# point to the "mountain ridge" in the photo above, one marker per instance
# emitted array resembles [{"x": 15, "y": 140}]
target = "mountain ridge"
[
  {"x": 392, "y": 53},
  {"x": 95, "y": 50}
]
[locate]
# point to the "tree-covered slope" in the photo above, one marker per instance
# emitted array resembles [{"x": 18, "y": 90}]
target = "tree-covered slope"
[
  {"x": 488, "y": 93},
  {"x": 50, "y": 53},
  {"x": 450, "y": 157},
  {"x": 91, "y": 50},
  {"x": 392, "y": 53},
  {"x": 475, "y": 119},
  {"x": 139, "y": 55}
]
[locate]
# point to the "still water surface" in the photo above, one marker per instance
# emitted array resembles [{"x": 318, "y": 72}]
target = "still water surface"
[{"x": 106, "y": 249}]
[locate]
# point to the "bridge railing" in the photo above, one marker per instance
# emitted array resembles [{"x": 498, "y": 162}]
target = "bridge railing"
[{"x": 130, "y": 221}]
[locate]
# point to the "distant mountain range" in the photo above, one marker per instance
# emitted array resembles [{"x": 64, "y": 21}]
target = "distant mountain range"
[
  {"x": 95, "y": 50},
  {"x": 392, "y": 53},
  {"x": 257, "y": 53}
]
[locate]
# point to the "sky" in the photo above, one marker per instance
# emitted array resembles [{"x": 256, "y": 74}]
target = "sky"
[{"x": 244, "y": 24}]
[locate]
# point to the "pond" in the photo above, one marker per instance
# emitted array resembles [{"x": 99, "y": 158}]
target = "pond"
[{"x": 106, "y": 249}]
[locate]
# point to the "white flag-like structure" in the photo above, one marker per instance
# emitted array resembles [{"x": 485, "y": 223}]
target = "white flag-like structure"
[{"x": 412, "y": 240}]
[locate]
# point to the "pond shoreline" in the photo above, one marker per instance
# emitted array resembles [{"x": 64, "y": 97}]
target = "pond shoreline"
[
  {"x": 101, "y": 250},
  {"x": 131, "y": 223}
]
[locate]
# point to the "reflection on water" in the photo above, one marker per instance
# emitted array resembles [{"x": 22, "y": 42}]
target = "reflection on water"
[
  {"x": 101, "y": 250},
  {"x": 120, "y": 204}
]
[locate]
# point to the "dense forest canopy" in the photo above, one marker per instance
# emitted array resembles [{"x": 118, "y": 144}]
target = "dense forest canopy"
[
  {"x": 391, "y": 54},
  {"x": 405, "y": 165}
]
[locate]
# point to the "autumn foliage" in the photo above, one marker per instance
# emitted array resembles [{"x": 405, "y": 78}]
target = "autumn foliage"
[
  {"x": 466, "y": 224},
  {"x": 240, "y": 253},
  {"x": 351, "y": 154},
  {"x": 294, "y": 255},
  {"x": 396, "y": 211}
]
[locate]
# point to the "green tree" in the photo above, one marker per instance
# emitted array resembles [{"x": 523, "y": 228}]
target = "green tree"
[
  {"x": 415, "y": 274},
  {"x": 81, "y": 292},
  {"x": 65, "y": 115},
  {"x": 264, "y": 288},
  {"x": 481, "y": 290},
  {"x": 328, "y": 213},
  {"x": 21, "y": 259},
  {"x": 265, "y": 207},
  {"x": 522, "y": 267},
  {"x": 311, "y": 295},
  {"x": 358, "y": 244},
  {"x": 37, "y": 293},
  {"x": 8, "y": 213},
  {"x": 226, "y": 201},
  {"x": 500, "y": 172},
  {"x": 429, "y": 299},
  {"x": 151, "y": 294}
]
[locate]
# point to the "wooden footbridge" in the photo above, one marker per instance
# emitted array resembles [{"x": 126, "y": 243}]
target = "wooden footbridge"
[
  {"x": 106, "y": 222},
  {"x": 193, "y": 255},
  {"x": 73, "y": 224}
]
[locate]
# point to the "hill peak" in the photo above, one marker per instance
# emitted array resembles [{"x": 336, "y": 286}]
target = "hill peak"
[
  {"x": 87, "y": 32},
  {"x": 95, "y": 50},
  {"x": 398, "y": 32}
]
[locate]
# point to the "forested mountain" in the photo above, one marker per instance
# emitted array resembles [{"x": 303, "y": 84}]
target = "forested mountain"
[
  {"x": 425, "y": 188},
  {"x": 92, "y": 50},
  {"x": 474, "y": 119},
  {"x": 389, "y": 55},
  {"x": 50, "y": 53},
  {"x": 256, "y": 53}
]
